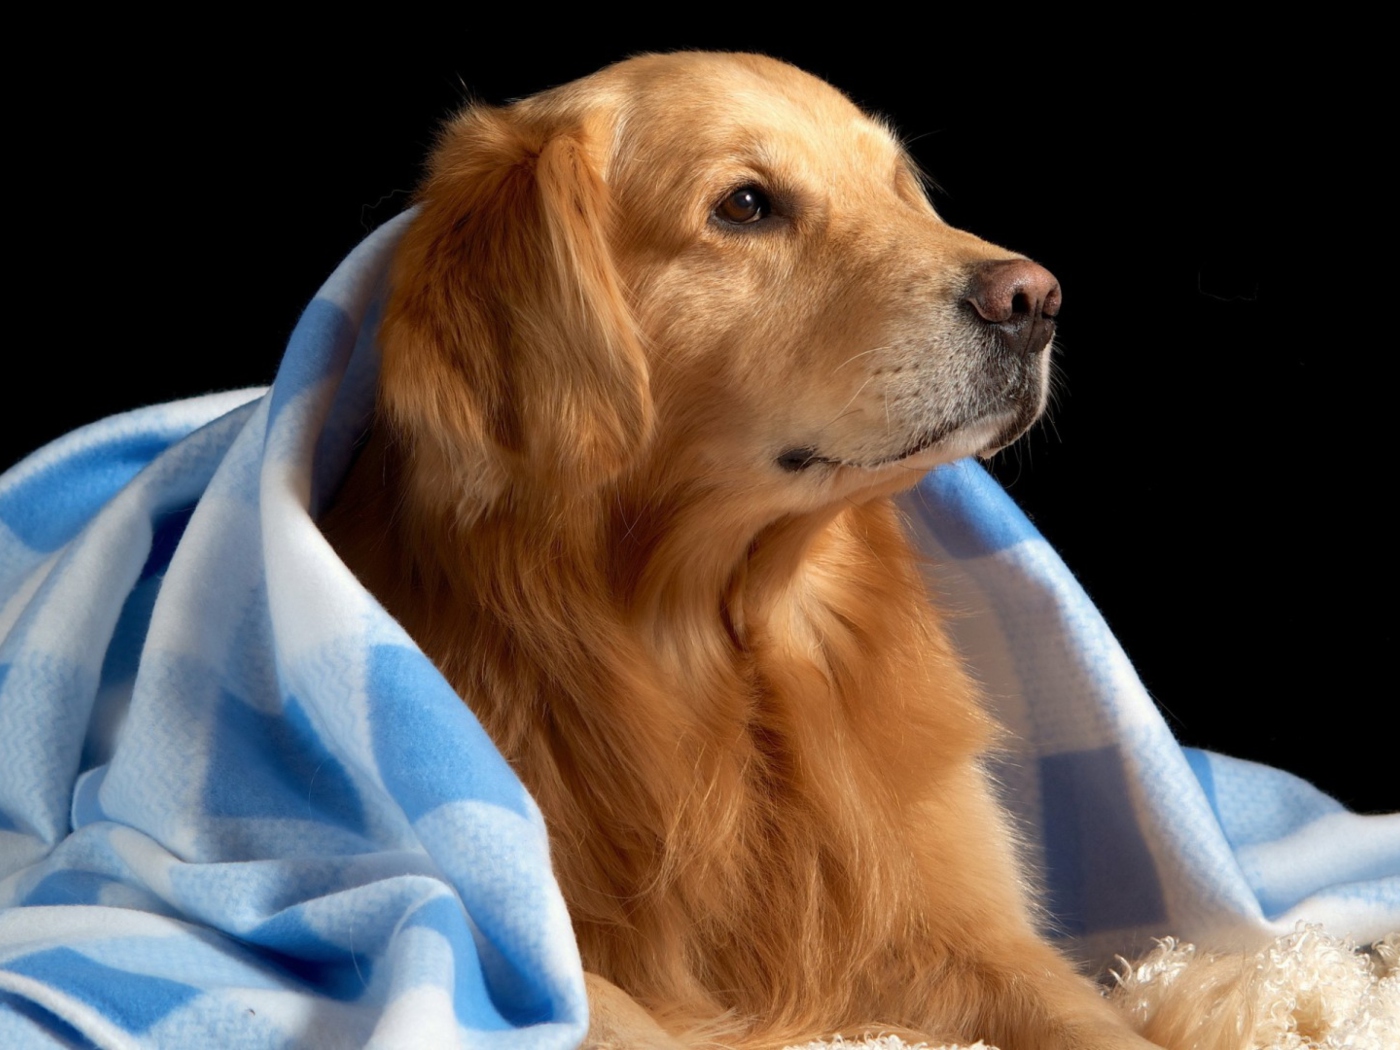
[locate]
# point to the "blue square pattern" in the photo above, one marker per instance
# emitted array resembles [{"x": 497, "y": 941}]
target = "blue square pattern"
[{"x": 134, "y": 1001}]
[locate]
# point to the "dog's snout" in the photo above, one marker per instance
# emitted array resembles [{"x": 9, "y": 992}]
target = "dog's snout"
[{"x": 1019, "y": 300}]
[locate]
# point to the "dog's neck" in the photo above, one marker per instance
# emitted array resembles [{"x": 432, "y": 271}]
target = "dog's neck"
[{"x": 680, "y": 563}]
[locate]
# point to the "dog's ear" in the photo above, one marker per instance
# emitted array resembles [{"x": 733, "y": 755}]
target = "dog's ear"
[{"x": 509, "y": 350}]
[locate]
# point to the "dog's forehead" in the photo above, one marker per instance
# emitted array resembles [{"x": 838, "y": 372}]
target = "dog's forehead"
[{"x": 696, "y": 114}]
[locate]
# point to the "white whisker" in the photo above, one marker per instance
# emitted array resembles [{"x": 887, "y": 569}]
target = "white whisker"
[
  {"x": 872, "y": 350},
  {"x": 848, "y": 404}
]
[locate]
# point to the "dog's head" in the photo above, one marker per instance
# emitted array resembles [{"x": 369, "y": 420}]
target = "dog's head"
[{"x": 711, "y": 262}]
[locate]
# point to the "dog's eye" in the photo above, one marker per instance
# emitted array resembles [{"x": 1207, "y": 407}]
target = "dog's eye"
[{"x": 745, "y": 205}]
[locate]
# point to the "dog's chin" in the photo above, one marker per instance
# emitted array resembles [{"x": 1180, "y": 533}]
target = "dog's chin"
[
  {"x": 983, "y": 437},
  {"x": 1011, "y": 433},
  {"x": 827, "y": 478}
]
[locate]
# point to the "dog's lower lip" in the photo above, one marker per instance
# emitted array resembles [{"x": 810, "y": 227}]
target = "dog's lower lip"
[
  {"x": 798, "y": 459},
  {"x": 933, "y": 437},
  {"x": 926, "y": 442}
]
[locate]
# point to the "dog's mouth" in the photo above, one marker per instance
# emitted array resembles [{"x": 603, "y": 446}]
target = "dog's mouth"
[{"x": 983, "y": 434}]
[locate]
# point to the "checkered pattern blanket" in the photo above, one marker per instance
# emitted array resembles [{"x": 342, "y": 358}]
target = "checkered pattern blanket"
[{"x": 239, "y": 807}]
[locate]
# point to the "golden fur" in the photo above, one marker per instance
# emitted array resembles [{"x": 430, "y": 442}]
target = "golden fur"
[{"x": 713, "y": 664}]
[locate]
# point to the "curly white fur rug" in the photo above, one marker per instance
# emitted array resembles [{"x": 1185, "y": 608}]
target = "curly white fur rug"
[{"x": 1303, "y": 991}]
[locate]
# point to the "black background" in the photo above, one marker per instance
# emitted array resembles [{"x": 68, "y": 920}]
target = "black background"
[{"x": 1212, "y": 470}]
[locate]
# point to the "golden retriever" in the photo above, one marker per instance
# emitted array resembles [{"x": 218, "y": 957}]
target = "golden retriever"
[{"x": 660, "y": 345}]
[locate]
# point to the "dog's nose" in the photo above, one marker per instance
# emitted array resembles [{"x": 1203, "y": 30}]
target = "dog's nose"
[{"x": 1018, "y": 300}]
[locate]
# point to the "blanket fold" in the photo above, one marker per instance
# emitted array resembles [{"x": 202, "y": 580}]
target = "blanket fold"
[{"x": 238, "y": 806}]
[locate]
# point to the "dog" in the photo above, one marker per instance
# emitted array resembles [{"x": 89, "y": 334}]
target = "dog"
[{"x": 660, "y": 346}]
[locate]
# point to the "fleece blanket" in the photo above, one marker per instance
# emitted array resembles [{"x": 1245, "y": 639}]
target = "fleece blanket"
[{"x": 239, "y": 807}]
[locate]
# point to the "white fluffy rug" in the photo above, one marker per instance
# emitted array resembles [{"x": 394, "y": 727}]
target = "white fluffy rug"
[{"x": 1304, "y": 991}]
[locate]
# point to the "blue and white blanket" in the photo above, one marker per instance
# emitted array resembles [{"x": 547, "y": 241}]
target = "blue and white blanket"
[{"x": 238, "y": 807}]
